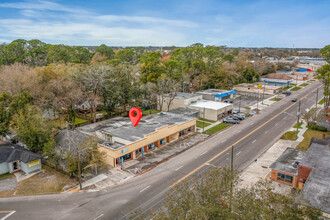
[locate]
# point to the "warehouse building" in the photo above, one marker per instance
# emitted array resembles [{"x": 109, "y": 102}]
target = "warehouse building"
[
  {"x": 217, "y": 94},
  {"x": 276, "y": 79}
]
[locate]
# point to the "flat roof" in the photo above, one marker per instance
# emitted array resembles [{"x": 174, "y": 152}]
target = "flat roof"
[
  {"x": 147, "y": 125},
  {"x": 213, "y": 91},
  {"x": 210, "y": 104},
  {"x": 287, "y": 161},
  {"x": 184, "y": 95},
  {"x": 317, "y": 156},
  {"x": 110, "y": 123},
  {"x": 184, "y": 111}
]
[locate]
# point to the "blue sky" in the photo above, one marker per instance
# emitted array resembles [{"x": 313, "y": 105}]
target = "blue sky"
[{"x": 235, "y": 23}]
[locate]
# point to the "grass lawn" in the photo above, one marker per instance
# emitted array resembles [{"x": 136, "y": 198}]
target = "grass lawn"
[
  {"x": 312, "y": 80},
  {"x": 49, "y": 181},
  {"x": 264, "y": 104},
  {"x": 216, "y": 128},
  {"x": 300, "y": 123},
  {"x": 295, "y": 88},
  {"x": 275, "y": 99},
  {"x": 3, "y": 176},
  {"x": 78, "y": 121},
  {"x": 201, "y": 119},
  {"x": 321, "y": 102},
  {"x": 304, "y": 144},
  {"x": 247, "y": 107},
  {"x": 293, "y": 84},
  {"x": 304, "y": 84},
  {"x": 147, "y": 112},
  {"x": 200, "y": 124},
  {"x": 286, "y": 88},
  {"x": 289, "y": 135}
]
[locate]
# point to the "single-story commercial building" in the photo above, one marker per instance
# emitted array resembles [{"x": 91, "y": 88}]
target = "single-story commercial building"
[
  {"x": 187, "y": 112},
  {"x": 213, "y": 110},
  {"x": 276, "y": 79},
  {"x": 217, "y": 94},
  {"x": 178, "y": 100},
  {"x": 121, "y": 141},
  {"x": 254, "y": 88},
  {"x": 14, "y": 158},
  {"x": 309, "y": 171}
]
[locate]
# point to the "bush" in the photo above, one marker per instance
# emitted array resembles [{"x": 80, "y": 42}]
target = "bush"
[{"x": 317, "y": 128}]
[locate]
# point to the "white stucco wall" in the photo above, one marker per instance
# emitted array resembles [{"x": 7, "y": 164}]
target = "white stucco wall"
[{"x": 4, "y": 168}]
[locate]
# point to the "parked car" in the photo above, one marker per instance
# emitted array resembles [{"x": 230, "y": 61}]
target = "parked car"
[
  {"x": 287, "y": 93},
  {"x": 239, "y": 116},
  {"x": 293, "y": 100},
  {"x": 228, "y": 101},
  {"x": 230, "y": 121},
  {"x": 236, "y": 111},
  {"x": 252, "y": 113}
]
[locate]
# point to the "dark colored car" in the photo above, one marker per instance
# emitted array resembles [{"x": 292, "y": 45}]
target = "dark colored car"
[
  {"x": 239, "y": 116},
  {"x": 236, "y": 111},
  {"x": 287, "y": 93},
  {"x": 293, "y": 100},
  {"x": 228, "y": 101},
  {"x": 230, "y": 121}
]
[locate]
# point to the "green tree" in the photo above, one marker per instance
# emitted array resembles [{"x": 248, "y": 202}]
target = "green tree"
[
  {"x": 209, "y": 196},
  {"x": 126, "y": 55},
  {"x": 323, "y": 75},
  {"x": 19, "y": 102},
  {"x": 325, "y": 51},
  {"x": 15, "y": 51},
  {"x": 106, "y": 51},
  {"x": 59, "y": 53},
  {"x": 37, "y": 53},
  {"x": 4, "y": 120},
  {"x": 81, "y": 55},
  {"x": 31, "y": 129}
]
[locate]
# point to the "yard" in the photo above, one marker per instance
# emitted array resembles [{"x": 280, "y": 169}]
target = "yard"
[
  {"x": 321, "y": 102},
  {"x": 286, "y": 88},
  {"x": 295, "y": 88},
  {"x": 304, "y": 84},
  {"x": 300, "y": 123},
  {"x": 275, "y": 99},
  {"x": 201, "y": 119},
  {"x": 48, "y": 181},
  {"x": 304, "y": 144},
  {"x": 289, "y": 135},
  {"x": 147, "y": 112},
  {"x": 78, "y": 121},
  {"x": 216, "y": 128},
  {"x": 200, "y": 124}
]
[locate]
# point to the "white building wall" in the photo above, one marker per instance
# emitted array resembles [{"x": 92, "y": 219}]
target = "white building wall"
[{"x": 4, "y": 168}]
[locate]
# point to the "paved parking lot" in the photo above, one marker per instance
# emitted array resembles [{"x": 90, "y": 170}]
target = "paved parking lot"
[
  {"x": 8, "y": 184},
  {"x": 248, "y": 101}
]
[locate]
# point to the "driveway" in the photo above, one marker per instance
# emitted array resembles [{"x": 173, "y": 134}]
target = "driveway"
[{"x": 7, "y": 184}]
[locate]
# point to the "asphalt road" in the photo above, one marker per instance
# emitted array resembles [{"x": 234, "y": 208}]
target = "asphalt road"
[{"x": 147, "y": 192}]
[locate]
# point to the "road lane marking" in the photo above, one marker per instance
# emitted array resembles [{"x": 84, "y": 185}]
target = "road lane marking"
[
  {"x": 203, "y": 153},
  {"x": 266, "y": 132},
  {"x": 238, "y": 153},
  {"x": 98, "y": 217},
  {"x": 178, "y": 168},
  {"x": 8, "y": 215},
  {"x": 226, "y": 149},
  {"x": 276, "y": 124},
  {"x": 252, "y": 123},
  {"x": 144, "y": 188},
  {"x": 254, "y": 141}
]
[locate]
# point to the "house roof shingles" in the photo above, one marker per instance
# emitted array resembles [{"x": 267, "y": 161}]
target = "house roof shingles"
[{"x": 11, "y": 152}]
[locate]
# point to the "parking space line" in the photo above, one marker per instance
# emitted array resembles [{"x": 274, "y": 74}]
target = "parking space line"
[
  {"x": 144, "y": 188},
  {"x": 8, "y": 215},
  {"x": 98, "y": 217},
  {"x": 254, "y": 141},
  {"x": 266, "y": 132},
  {"x": 178, "y": 168},
  {"x": 238, "y": 153},
  {"x": 203, "y": 153},
  {"x": 276, "y": 124}
]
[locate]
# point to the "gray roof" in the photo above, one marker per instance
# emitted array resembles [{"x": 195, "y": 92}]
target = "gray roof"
[
  {"x": 287, "y": 161},
  {"x": 185, "y": 111},
  {"x": 184, "y": 95},
  {"x": 110, "y": 123},
  {"x": 213, "y": 91},
  {"x": 148, "y": 124},
  {"x": 316, "y": 190},
  {"x": 68, "y": 140},
  {"x": 10, "y": 152}
]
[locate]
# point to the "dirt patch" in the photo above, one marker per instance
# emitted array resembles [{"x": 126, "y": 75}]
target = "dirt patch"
[{"x": 45, "y": 182}]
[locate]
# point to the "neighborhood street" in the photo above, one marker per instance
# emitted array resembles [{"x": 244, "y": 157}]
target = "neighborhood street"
[{"x": 146, "y": 192}]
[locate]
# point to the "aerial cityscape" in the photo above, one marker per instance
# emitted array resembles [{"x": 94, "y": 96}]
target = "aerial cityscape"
[{"x": 141, "y": 109}]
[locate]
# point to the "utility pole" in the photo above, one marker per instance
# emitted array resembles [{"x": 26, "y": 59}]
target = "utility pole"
[
  {"x": 317, "y": 94},
  {"x": 203, "y": 118},
  {"x": 231, "y": 176},
  {"x": 239, "y": 107},
  {"x": 298, "y": 115},
  {"x": 297, "y": 80},
  {"x": 79, "y": 171},
  {"x": 258, "y": 101},
  {"x": 263, "y": 94}
]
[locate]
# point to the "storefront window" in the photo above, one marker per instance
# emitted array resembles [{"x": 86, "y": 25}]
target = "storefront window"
[
  {"x": 183, "y": 132},
  {"x": 192, "y": 128},
  {"x": 284, "y": 178},
  {"x": 162, "y": 141},
  {"x": 151, "y": 146},
  {"x": 138, "y": 151}
]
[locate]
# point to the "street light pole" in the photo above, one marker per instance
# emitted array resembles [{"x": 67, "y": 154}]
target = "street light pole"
[
  {"x": 239, "y": 107},
  {"x": 203, "y": 118},
  {"x": 298, "y": 115},
  {"x": 258, "y": 101},
  {"x": 79, "y": 170},
  {"x": 263, "y": 94},
  {"x": 317, "y": 94},
  {"x": 231, "y": 175}
]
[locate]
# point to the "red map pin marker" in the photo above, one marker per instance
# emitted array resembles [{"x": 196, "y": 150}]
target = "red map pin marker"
[{"x": 135, "y": 119}]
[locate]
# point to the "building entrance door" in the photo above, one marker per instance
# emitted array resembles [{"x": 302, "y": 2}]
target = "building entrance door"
[{"x": 15, "y": 166}]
